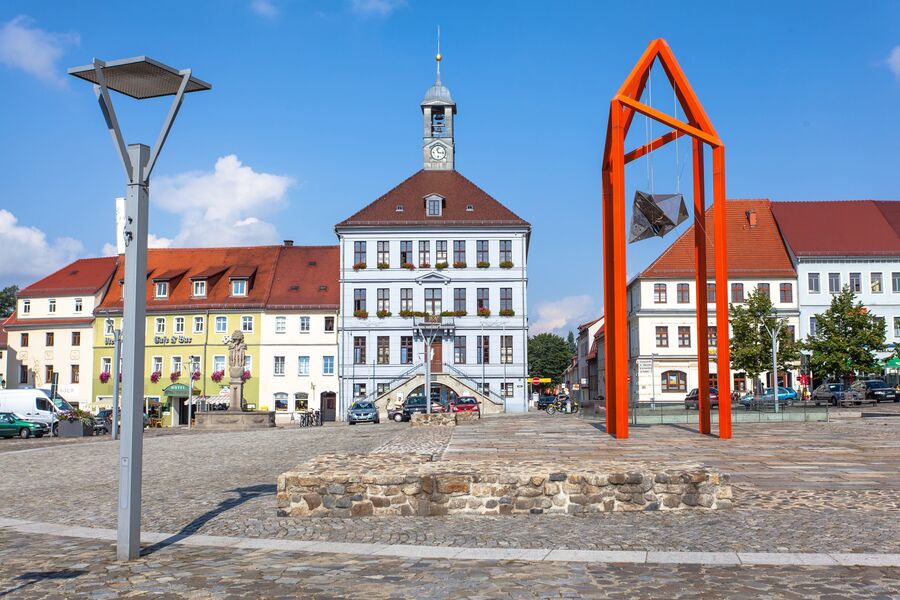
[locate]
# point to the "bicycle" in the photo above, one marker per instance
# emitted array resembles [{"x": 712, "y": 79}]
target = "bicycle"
[{"x": 559, "y": 406}]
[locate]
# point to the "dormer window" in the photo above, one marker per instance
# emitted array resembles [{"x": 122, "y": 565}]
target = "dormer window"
[
  {"x": 399, "y": 208},
  {"x": 162, "y": 289},
  {"x": 200, "y": 289},
  {"x": 470, "y": 208},
  {"x": 26, "y": 307},
  {"x": 238, "y": 287},
  {"x": 434, "y": 206}
]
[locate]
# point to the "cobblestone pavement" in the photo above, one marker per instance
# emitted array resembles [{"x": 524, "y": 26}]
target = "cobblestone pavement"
[{"x": 40, "y": 567}]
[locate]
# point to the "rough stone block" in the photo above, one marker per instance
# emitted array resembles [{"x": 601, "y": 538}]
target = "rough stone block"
[{"x": 362, "y": 509}]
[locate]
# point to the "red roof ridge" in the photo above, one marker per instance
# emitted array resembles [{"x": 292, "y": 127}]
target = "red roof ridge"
[{"x": 384, "y": 195}]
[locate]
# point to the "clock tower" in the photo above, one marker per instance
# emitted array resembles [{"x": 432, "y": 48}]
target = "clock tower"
[{"x": 438, "y": 110}]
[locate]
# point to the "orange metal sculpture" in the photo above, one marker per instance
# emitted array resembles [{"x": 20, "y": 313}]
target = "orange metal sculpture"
[{"x": 622, "y": 110}]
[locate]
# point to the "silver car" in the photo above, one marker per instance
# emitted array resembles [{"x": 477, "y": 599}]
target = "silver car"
[{"x": 362, "y": 412}]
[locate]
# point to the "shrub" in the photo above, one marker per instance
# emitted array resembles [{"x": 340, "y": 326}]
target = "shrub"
[
  {"x": 361, "y": 314},
  {"x": 384, "y": 266},
  {"x": 383, "y": 313},
  {"x": 484, "y": 312},
  {"x": 76, "y": 414},
  {"x": 441, "y": 266},
  {"x": 460, "y": 264},
  {"x": 483, "y": 264},
  {"x": 506, "y": 264},
  {"x": 507, "y": 312},
  {"x": 359, "y": 265}
]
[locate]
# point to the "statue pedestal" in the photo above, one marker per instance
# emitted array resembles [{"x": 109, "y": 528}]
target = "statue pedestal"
[{"x": 226, "y": 420}]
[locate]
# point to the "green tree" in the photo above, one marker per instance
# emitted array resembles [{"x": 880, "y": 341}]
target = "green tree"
[
  {"x": 8, "y": 300},
  {"x": 571, "y": 342},
  {"x": 751, "y": 343},
  {"x": 548, "y": 356},
  {"x": 847, "y": 338}
]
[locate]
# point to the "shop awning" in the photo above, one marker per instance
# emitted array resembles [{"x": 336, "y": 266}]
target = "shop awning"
[
  {"x": 894, "y": 363},
  {"x": 180, "y": 390}
]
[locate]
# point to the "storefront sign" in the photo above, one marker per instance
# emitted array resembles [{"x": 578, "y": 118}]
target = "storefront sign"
[{"x": 175, "y": 339}]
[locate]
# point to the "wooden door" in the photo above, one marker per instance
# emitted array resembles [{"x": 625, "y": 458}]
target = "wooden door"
[{"x": 437, "y": 355}]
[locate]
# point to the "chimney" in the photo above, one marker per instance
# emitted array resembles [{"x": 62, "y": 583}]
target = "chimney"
[
  {"x": 120, "y": 225},
  {"x": 751, "y": 217},
  {"x": 288, "y": 243}
]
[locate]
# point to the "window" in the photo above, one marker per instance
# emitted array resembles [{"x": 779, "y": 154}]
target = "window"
[
  {"x": 279, "y": 366},
  {"x": 26, "y": 307},
  {"x": 712, "y": 336},
  {"x": 156, "y": 364},
  {"x": 162, "y": 289},
  {"x": 51, "y": 306},
  {"x": 384, "y": 299},
  {"x": 740, "y": 382},
  {"x": 199, "y": 289},
  {"x": 179, "y": 324},
  {"x": 506, "y": 349},
  {"x": 459, "y": 300},
  {"x": 327, "y": 365},
  {"x": 482, "y": 251},
  {"x": 484, "y": 349},
  {"x": 406, "y": 253},
  {"x": 459, "y": 251},
  {"x": 856, "y": 282},
  {"x": 359, "y": 350},
  {"x": 23, "y": 373},
  {"x": 737, "y": 293},
  {"x": 674, "y": 381},
  {"x": 303, "y": 366},
  {"x": 23, "y": 340},
  {"x": 79, "y": 305},
  {"x": 876, "y": 283},
  {"x": 74, "y": 373},
  {"x": 434, "y": 206},
  {"x": 684, "y": 336},
  {"x": 683, "y": 294},
  {"x": 406, "y": 350},
  {"x": 711, "y": 293},
  {"x": 359, "y": 299},
  {"x": 483, "y": 299},
  {"x": 176, "y": 364},
  {"x": 106, "y": 364},
  {"x": 218, "y": 363},
  {"x": 329, "y": 324},
  {"x": 812, "y": 282},
  {"x": 159, "y": 326},
  {"x": 792, "y": 333},
  {"x": 238, "y": 287},
  {"x": 384, "y": 253},
  {"x": 383, "y": 350},
  {"x": 484, "y": 389},
  {"x": 459, "y": 348},
  {"x": 662, "y": 336},
  {"x": 281, "y": 400},
  {"x": 813, "y": 324},
  {"x": 786, "y": 292},
  {"x": 897, "y": 327},
  {"x": 76, "y": 338},
  {"x": 304, "y": 324},
  {"x": 280, "y": 324},
  {"x": 505, "y": 251},
  {"x": 424, "y": 253},
  {"x": 406, "y": 300},
  {"x": 895, "y": 282},
  {"x": 48, "y": 373},
  {"x": 247, "y": 324},
  {"x": 221, "y": 324},
  {"x": 433, "y": 301},
  {"x": 359, "y": 390},
  {"x": 440, "y": 251},
  {"x": 48, "y": 338},
  {"x": 834, "y": 283},
  {"x": 506, "y": 389},
  {"x": 199, "y": 324},
  {"x": 659, "y": 293},
  {"x": 359, "y": 252},
  {"x": 763, "y": 288},
  {"x": 506, "y": 299}
]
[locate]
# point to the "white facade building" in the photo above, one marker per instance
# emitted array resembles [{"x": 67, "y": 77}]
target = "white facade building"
[{"x": 435, "y": 245}]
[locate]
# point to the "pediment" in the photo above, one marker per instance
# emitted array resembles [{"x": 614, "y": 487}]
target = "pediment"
[{"x": 433, "y": 278}]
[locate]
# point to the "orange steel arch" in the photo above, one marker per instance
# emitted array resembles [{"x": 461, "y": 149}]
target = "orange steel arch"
[{"x": 697, "y": 125}]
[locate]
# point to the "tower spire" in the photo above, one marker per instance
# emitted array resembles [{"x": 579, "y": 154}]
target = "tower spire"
[{"x": 437, "y": 57}]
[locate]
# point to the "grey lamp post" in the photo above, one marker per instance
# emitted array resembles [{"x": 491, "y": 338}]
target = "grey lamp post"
[
  {"x": 773, "y": 333},
  {"x": 139, "y": 78},
  {"x": 117, "y": 372}
]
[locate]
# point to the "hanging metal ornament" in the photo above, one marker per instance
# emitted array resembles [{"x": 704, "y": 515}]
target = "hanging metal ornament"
[{"x": 655, "y": 215}]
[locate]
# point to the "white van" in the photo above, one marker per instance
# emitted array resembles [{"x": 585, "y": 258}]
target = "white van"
[{"x": 33, "y": 405}]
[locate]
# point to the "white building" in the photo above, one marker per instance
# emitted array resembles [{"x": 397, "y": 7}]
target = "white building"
[
  {"x": 52, "y": 329},
  {"x": 662, "y": 302},
  {"x": 849, "y": 243},
  {"x": 434, "y": 245}
]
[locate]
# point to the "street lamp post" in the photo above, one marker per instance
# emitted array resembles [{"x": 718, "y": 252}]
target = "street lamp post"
[
  {"x": 773, "y": 333},
  {"x": 117, "y": 372},
  {"x": 139, "y": 78}
]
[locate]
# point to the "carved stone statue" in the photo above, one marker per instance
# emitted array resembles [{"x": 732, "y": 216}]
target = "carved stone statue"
[{"x": 237, "y": 350}]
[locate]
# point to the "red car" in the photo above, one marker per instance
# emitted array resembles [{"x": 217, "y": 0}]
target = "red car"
[{"x": 465, "y": 404}]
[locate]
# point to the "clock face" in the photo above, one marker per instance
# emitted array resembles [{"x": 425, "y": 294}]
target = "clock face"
[{"x": 438, "y": 152}]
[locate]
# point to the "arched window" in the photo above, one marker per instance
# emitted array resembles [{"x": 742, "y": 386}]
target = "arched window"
[
  {"x": 674, "y": 381},
  {"x": 281, "y": 401}
]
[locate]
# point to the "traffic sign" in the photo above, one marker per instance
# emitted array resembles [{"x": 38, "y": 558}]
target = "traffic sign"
[{"x": 535, "y": 381}]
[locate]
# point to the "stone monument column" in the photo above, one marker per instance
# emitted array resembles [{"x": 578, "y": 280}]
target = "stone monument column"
[{"x": 236, "y": 352}]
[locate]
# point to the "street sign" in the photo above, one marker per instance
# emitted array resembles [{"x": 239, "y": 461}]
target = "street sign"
[
  {"x": 576, "y": 387},
  {"x": 584, "y": 381},
  {"x": 539, "y": 380},
  {"x": 644, "y": 365}
]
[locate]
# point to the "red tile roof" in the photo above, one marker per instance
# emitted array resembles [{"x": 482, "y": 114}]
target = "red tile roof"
[
  {"x": 301, "y": 275},
  {"x": 589, "y": 323},
  {"x": 752, "y": 250},
  {"x": 15, "y": 323},
  {"x": 840, "y": 228},
  {"x": 84, "y": 276},
  {"x": 3, "y": 334},
  {"x": 458, "y": 192}
]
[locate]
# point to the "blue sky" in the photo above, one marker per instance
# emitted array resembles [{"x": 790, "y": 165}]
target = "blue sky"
[{"x": 314, "y": 113}]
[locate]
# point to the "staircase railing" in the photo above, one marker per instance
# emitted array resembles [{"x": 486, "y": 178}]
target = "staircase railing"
[
  {"x": 374, "y": 395},
  {"x": 474, "y": 384}
]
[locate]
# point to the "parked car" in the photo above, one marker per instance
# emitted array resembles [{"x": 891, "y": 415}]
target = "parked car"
[
  {"x": 466, "y": 404},
  {"x": 34, "y": 405},
  {"x": 875, "y": 390},
  {"x": 545, "y": 401},
  {"x": 415, "y": 403},
  {"x": 692, "y": 400},
  {"x": 833, "y": 394},
  {"x": 362, "y": 411},
  {"x": 12, "y": 424}
]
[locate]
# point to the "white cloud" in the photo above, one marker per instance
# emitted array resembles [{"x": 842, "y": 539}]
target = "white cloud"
[
  {"x": 264, "y": 8},
  {"x": 381, "y": 8},
  {"x": 559, "y": 316},
  {"x": 893, "y": 61},
  {"x": 27, "y": 253},
  {"x": 35, "y": 51},
  {"x": 222, "y": 207}
]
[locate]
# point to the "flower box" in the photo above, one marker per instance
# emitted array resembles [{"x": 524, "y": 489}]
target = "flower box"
[
  {"x": 175, "y": 376},
  {"x": 155, "y": 376},
  {"x": 104, "y": 377},
  {"x": 425, "y": 265},
  {"x": 506, "y": 264},
  {"x": 195, "y": 376},
  {"x": 409, "y": 266},
  {"x": 74, "y": 429},
  {"x": 483, "y": 265},
  {"x": 361, "y": 314},
  {"x": 453, "y": 313},
  {"x": 484, "y": 312},
  {"x": 245, "y": 376},
  {"x": 441, "y": 266},
  {"x": 359, "y": 265},
  {"x": 217, "y": 376},
  {"x": 507, "y": 312},
  {"x": 383, "y": 266},
  {"x": 459, "y": 264},
  {"x": 381, "y": 314}
]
